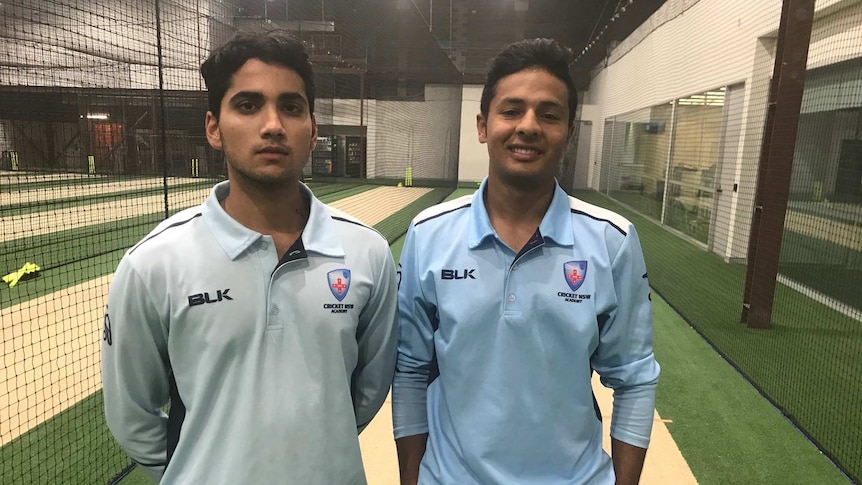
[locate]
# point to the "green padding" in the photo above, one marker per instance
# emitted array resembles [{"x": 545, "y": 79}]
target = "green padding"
[{"x": 808, "y": 364}]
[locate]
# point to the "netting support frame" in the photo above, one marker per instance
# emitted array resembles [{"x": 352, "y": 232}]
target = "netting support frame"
[{"x": 776, "y": 161}]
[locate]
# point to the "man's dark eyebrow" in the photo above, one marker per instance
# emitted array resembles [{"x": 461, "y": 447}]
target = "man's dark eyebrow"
[
  {"x": 520, "y": 101},
  {"x": 292, "y": 96},
  {"x": 247, "y": 95},
  {"x": 256, "y": 96}
]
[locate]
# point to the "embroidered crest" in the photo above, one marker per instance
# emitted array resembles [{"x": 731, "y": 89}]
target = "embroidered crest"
[
  {"x": 575, "y": 273},
  {"x": 339, "y": 282}
]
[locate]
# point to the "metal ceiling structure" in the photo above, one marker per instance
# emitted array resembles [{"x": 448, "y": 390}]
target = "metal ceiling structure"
[{"x": 409, "y": 39}]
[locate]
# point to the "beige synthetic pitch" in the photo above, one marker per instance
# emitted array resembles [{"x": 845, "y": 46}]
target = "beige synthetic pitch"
[
  {"x": 37, "y": 223},
  {"x": 50, "y": 348},
  {"x": 372, "y": 206},
  {"x": 51, "y": 194}
]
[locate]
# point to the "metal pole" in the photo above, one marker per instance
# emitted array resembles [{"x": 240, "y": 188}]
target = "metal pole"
[
  {"x": 776, "y": 161},
  {"x": 161, "y": 116},
  {"x": 431, "y": 17},
  {"x": 669, "y": 158}
]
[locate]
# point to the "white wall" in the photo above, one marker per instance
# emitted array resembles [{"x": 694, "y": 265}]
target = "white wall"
[
  {"x": 691, "y": 46},
  {"x": 591, "y": 114},
  {"x": 421, "y": 134},
  {"x": 472, "y": 156}
]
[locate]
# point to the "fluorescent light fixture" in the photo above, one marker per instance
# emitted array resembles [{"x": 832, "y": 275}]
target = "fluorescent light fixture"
[{"x": 97, "y": 116}]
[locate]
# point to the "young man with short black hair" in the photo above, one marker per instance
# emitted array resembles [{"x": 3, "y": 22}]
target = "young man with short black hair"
[
  {"x": 509, "y": 300},
  {"x": 265, "y": 317}
]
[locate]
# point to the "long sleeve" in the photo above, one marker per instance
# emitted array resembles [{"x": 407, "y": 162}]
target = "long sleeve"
[
  {"x": 135, "y": 371},
  {"x": 624, "y": 359},
  {"x": 377, "y": 339},
  {"x": 415, "y": 347}
]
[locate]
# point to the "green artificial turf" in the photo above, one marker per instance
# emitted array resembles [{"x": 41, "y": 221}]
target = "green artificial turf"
[
  {"x": 723, "y": 427},
  {"x": 808, "y": 363},
  {"x": 73, "y": 447},
  {"x": 396, "y": 224}
]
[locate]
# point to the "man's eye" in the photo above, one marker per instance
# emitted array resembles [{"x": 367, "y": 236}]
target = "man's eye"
[
  {"x": 246, "y": 106},
  {"x": 293, "y": 108},
  {"x": 510, "y": 112}
]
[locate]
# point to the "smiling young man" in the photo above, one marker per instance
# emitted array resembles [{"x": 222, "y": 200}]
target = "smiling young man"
[
  {"x": 264, "y": 317},
  {"x": 510, "y": 298}
]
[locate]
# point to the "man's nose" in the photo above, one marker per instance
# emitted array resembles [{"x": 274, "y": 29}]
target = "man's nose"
[
  {"x": 528, "y": 125},
  {"x": 272, "y": 124}
]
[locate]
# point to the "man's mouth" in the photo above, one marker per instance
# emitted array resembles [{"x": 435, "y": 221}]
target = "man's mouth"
[
  {"x": 525, "y": 150},
  {"x": 279, "y": 150}
]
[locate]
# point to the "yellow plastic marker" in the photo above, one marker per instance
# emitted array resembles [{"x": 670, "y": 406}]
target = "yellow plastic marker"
[{"x": 14, "y": 277}]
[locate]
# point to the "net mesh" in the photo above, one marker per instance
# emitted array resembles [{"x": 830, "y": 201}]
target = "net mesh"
[
  {"x": 679, "y": 147},
  {"x": 102, "y": 136}
]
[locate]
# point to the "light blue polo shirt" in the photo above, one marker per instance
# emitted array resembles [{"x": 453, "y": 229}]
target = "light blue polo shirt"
[
  {"x": 497, "y": 349},
  {"x": 271, "y": 366}
]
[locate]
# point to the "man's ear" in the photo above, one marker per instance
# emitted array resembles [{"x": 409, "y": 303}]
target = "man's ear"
[
  {"x": 482, "y": 128},
  {"x": 313, "y": 141},
  {"x": 213, "y": 132},
  {"x": 571, "y": 132}
]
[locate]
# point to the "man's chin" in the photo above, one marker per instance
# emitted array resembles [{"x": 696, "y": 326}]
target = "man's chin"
[
  {"x": 525, "y": 179},
  {"x": 271, "y": 178}
]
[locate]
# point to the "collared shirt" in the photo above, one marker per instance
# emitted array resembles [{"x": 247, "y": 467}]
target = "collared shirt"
[
  {"x": 272, "y": 367},
  {"x": 497, "y": 348}
]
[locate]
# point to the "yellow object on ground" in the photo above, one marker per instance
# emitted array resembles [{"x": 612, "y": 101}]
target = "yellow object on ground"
[
  {"x": 408, "y": 177},
  {"x": 14, "y": 277}
]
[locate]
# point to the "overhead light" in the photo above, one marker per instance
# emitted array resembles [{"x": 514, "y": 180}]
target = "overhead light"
[{"x": 97, "y": 116}]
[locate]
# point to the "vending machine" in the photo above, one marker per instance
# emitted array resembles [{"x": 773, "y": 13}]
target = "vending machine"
[
  {"x": 354, "y": 156},
  {"x": 323, "y": 157}
]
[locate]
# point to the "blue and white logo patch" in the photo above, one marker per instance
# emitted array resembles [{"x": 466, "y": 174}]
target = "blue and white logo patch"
[
  {"x": 339, "y": 282},
  {"x": 575, "y": 273}
]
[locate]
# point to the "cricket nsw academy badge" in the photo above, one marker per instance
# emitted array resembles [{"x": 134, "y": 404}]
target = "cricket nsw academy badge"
[
  {"x": 339, "y": 282},
  {"x": 575, "y": 273}
]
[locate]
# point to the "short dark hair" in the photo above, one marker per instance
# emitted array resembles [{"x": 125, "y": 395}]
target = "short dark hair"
[
  {"x": 274, "y": 47},
  {"x": 545, "y": 54}
]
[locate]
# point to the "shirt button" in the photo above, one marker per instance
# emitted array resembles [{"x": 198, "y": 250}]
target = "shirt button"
[
  {"x": 512, "y": 297},
  {"x": 274, "y": 310}
]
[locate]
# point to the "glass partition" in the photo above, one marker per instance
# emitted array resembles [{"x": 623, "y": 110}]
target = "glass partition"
[{"x": 694, "y": 163}]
